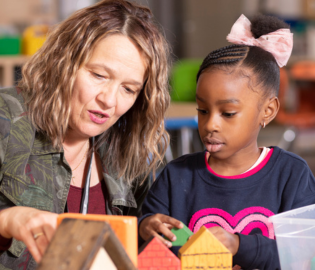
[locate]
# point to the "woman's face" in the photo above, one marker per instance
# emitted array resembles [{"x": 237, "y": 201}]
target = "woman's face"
[{"x": 106, "y": 87}]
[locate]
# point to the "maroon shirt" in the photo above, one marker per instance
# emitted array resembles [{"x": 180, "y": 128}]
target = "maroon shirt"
[
  {"x": 96, "y": 205},
  {"x": 96, "y": 199}
]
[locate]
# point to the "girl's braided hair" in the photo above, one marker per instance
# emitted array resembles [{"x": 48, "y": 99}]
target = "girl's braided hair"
[{"x": 262, "y": 63}]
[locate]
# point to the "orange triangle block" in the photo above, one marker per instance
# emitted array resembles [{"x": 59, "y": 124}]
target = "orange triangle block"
[{"x": 204, "y": 251}]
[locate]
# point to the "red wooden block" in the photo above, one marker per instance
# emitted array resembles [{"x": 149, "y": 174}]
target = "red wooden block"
[{"x": 155, "y": 255}]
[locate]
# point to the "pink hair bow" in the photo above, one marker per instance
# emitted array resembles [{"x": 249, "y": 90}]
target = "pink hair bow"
[{"x": 278, "y": 43}]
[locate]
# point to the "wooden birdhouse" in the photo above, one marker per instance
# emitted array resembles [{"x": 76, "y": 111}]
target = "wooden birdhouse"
[
  {"x": 85, "y": 245},
  {"x": 204, "y": 251},
  {"x": 153, "y": 254},
  {"x": 125, "y": 228}
]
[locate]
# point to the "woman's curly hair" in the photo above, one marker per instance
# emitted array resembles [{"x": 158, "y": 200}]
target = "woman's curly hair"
[{"x": 136, "y": 143}]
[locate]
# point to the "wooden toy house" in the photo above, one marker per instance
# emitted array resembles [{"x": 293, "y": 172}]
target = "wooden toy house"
[
  {"x": 85, "y": 245},
  {"x": 204, "y": 251},
  {"x": 154, "y": 255},
  {"x": 125, "y": 228}
]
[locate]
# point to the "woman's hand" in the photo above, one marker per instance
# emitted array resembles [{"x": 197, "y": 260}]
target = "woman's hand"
[
  {"x": 229, "y": 240},
  {"x": 159, "y": 223},
  {"x": 33, "y": 227}
]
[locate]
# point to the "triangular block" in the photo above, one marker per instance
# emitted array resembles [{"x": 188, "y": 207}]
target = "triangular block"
[
  {"x": 153, "y": 254},
  {"x": 204, "y": 251},
  {"x": 125, "y": 228},
  {"x": 77, "y": 244}
]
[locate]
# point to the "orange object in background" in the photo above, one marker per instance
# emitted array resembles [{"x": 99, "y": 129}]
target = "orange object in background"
[
  {"x": 301, "y": 77},
  {"x": 33, "y": 38},
  {"x": 303, "y": 74},
  {"x": 125, "y": 228}
]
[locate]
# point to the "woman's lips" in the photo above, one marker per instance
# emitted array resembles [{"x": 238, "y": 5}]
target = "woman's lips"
[{"x": 98, "y": 117}]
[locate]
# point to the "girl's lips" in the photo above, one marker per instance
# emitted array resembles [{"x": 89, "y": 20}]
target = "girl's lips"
[
  {"x": 213, "y": 145},
  {"x": 212, "y": 148},
  {"x": 98, "y": 117}
]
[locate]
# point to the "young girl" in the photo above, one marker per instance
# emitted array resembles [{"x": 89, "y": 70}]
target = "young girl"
[{"x": 234, "y": 186}]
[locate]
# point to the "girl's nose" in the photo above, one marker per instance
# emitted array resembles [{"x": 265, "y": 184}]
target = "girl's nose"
[
  {"x": 212, "y": 124},
  {"x": 108, "y": 96}
]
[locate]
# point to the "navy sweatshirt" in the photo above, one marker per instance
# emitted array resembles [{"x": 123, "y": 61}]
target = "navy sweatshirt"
[{"x": 189, "y": 192}]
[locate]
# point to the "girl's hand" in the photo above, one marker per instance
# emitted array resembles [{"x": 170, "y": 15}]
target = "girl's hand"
[
  {"x": 159, "y": 223},
  {"x": 229, "y": 240},
  {"x": 33, "y": 227}
]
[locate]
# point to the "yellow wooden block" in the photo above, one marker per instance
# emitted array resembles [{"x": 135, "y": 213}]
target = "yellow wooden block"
[
  {"x": 204, "y": 251},
  {"x": 125, "y": 228}
]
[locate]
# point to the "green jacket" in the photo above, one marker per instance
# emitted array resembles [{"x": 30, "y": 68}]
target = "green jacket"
[{"x": 34, "y": 174}]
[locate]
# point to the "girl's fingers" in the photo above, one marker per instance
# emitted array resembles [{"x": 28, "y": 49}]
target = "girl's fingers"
[
  {"x": 164, "y": 241},
  {"x": 171, "y": 221},
  {"x": 161, "y": 228}
]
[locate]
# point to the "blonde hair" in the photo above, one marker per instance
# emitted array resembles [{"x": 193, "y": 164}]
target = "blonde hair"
[{"x": 136, "y": 143}]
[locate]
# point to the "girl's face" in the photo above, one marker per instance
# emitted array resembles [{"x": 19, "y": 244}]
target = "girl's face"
[
  {"x": 106, "y": 87},
  {"x": 229, "y": 114}
]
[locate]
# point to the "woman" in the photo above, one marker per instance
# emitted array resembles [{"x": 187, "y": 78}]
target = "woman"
[{"x": 95, "y": 92}]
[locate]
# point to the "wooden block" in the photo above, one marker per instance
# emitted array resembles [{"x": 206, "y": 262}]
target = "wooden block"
[
  {"x": 204, "y": 251},
  {"x": 182, "y": 235},
  {"x": 313, "y": 264},
  {"x": 153, "y": 254},
  {"x": 77, "y": 243},
  {"x": 125, "y": 228}
]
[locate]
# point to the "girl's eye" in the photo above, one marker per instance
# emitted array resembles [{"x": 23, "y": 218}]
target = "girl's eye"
[
  {"x": 228, "y": 114},
  {"x": 201, "y": 111}
]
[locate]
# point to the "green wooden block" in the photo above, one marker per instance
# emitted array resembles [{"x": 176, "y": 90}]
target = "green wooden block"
[
  {"x": 313, "y": 264},
  {"x": 182, "y": 235}
]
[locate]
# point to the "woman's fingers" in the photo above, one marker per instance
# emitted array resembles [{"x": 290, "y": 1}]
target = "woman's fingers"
[
  {"x": 49, "y": 232},
  {"x": 41, "y": 242},
  {"x": 34, "y": 227},
  {"x": 29, "y": 241}
]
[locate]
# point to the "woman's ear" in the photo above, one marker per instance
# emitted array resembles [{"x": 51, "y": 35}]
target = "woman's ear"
[{"x": 270, "y": 110}]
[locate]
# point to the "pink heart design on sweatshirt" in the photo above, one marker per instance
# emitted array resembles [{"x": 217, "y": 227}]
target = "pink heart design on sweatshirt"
[{"x": 243, "y": 222}]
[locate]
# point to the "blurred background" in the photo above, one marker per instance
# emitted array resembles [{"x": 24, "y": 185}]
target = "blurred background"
[{"x": 193, "y": 29}]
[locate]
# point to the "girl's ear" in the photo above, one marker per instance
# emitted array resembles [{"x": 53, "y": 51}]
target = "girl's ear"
[{"x": 270, "y": 110}]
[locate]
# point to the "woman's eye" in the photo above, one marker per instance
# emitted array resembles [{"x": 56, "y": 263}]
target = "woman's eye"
[
  {"x": 129, "y": 91},
  {"x": 97, "y": 75},
  {"x": 202, "y": 111},
  {"x": 226, "y": 114}
]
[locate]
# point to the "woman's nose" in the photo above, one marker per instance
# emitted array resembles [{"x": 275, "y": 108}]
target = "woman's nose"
[{"x": 108, "y": 96}]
